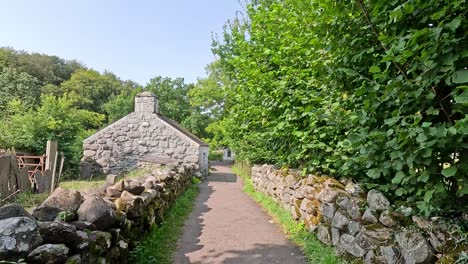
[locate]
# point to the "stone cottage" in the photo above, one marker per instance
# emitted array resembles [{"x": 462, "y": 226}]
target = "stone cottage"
[
  {"x": 144, "y": 135},
  {"x": 228, "y": 154}
]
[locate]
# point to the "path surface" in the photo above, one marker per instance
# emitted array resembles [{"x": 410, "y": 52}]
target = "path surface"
[{"x": 227, "y": 226}]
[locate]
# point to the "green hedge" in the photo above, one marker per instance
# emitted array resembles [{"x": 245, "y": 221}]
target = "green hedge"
[{"x": 372, "y": 90}]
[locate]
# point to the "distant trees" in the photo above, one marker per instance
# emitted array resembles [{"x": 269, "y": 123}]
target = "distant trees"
[
  {"x": 90, "y": 90},
  {"x": 47, "y": 69},
  {"x": 15, "y": 85},
  {"x": 172, "y": 94},
  {"x": 121, "y": 105}
]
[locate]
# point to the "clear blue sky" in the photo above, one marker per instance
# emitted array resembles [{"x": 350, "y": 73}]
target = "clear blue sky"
[{"x": 134, "y": 39}]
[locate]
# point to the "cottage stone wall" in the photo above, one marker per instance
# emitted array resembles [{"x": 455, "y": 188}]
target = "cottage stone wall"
[
  {"x": 357, "y": 223},
  {"x": 143, "y": 134}
]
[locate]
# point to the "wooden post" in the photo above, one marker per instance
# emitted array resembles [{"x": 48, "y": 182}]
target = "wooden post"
[
  {"x": 62, "y": 159},
  {"x": 54, "y": 169},
  {"x": 51, "y": 154}
]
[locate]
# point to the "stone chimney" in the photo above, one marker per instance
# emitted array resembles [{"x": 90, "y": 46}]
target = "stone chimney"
[{"x": 146, "y": 102}]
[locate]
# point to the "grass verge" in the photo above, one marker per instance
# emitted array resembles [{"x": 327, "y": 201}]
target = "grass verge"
[
  {"x": 313, "y": 249},
  {"x": 95, "y": 183},
  {"x": 160, "y": 244},
  {"x": 29, "y": 200}
]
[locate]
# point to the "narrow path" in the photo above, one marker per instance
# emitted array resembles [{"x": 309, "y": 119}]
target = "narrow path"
[{"x": 227, "y": 226}]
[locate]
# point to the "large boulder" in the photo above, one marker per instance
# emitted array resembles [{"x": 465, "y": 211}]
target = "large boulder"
[
  {"x": 61, "y": 233},
  {"x": 414, "y": 248},
  {"x": 49, "y": 253},
  {"x": 13, "y": 210},
  {"x": 45, "y": 213},
  {"x": 59, "y": 200},
  {"x": 96, "y": 211},
  {"x": 64, "y": 199},
  {"x": 377, "y": 201},
  {"x": 18, "y": 236}
]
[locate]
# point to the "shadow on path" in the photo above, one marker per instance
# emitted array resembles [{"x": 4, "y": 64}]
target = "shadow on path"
[
  {"x": 226, "y": 226},
  {"x": 190, "y": 239},
  {"x": 259, "y": 254}
]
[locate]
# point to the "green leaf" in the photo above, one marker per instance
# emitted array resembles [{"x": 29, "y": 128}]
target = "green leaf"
[
  {"x": 398, "y": 177},
  {"x": 349, "y": 72},
  {"x": 428, "y": 195},
  {"x": 424, "y": 177},
  {"x": 463, "y": 190},
  {"x": 460, "y": 76},
  {"x": 373, "y": 173},
  {"x": 426, "y": 124},
  {"x": 374, "y": 69},
  {"x": 400, "y": 191},
  {"x": 450, "y": 171},
  {"x": 421, "y": 138},
  {"x": 392, "y": 121},
  {"x": 454, "y": 24},
  {"x": 462, "y": 98}
]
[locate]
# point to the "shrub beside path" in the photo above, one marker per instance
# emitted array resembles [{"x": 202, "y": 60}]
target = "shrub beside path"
[{"x": 227, "y": 226}]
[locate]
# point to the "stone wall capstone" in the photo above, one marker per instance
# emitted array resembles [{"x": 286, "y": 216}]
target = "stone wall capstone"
[
  {"x": 96, "y": 227},
  {"x": 357, "y": 223}
]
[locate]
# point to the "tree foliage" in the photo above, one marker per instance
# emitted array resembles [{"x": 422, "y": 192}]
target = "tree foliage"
[
  {"x": 47, "y": 69},
  {"x": 56, "y": 119},
  {"x": 372, "y": 90},
  {"x": 18, "y": 85},
  {"x": 172, "y": 95},
  {"x": 121, "y": 105},
  {"x": 90, "y": 90}
]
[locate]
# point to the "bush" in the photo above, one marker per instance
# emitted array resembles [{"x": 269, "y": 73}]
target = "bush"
[
  {"x": 370, "y": 90},
  {"x": 215, "y": 155},
  {"x": 56, "y": 119}
]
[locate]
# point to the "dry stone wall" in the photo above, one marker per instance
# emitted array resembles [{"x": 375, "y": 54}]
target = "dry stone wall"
[
  {"x": 359, "y": 224},
  {"x": 93, "y": 227},
  {"x": 136, "y": 136}
]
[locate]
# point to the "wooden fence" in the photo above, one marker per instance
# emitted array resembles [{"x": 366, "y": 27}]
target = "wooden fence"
[{"x": 14, "y": 179}]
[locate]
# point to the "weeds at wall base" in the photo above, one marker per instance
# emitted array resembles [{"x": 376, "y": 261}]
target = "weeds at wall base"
[
  {"x": 160, "y": 244},
  {"x": 314, "y": 250}
]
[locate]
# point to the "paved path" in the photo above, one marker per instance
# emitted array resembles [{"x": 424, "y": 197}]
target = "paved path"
[{"x": 227, "y": 226}]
